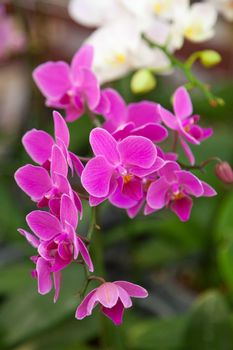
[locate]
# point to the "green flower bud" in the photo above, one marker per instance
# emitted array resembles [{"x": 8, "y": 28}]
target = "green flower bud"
[
  {"x": 210, "y": 58},
  {"x": 143, "y": 81}
]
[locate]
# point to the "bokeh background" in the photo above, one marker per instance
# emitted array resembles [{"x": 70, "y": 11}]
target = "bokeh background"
[{"x": 187, "y": 267}]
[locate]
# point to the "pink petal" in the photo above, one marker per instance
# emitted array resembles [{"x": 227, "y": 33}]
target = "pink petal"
[
  {"x": 137, "y": 150},
  {"x": 78, "y": 203},
  {"x": 96, "y": 177},
  {"x": 53, "y": 79},
  {"x": 74, "y": 112},
  {"x": 78, "y": 165},
  {"x": 89, "y": 86},
  {"x": 188, "y": 152},
  {"x": 133, "y": 189},
  {"x": 169, "y": 170},
  {"x": 118, "y": 110},
  {"x": 158, "y": 164},
  {"x": 68, "y": 212},
  {"x": 30, "y": 238},
  {"x": 44, "y": 277},
  {"x": 182, "y": 103},
  {"x": 43, "y": 224},
  {"x": 132, "y": 212},
  {"x": 154, "y": 132},
  {"x": 82, "y": 311},
  {"x": 124, "y": 297},
  {"x": 33, "y": 180},
  {"x": 156, "y": 195},
  {"x": 134, "y": 290},
  {"x": 61, "y": 183},
  {"x": 168, "y": 118},
  {"x": 122, "y": 201},
  {"x": 182, "y": 208},
  {"x": 85, "y": 254},
  {"x": 82, "y": 58},
  {"x": 208, "y": 190},
  {"x": 38, "y": 144},
  {"x": 107, "y": 294},
  {"x": 115, "y": 313},
  {"x": 190, "y": 182},
  {"x": 103, "y": 144},
  {"x": 143, "y": 112},
  {"x": 58, "y": 163},
  {"x": 57, "y": 284},
  {"x": 61, "y": 130}
]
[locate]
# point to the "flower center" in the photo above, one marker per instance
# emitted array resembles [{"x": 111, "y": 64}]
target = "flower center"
[
  {"x": 177, "y": 195},
  {"x": 127, "y": 178},
  {"x": 161, "y": 7},
  {"x": 193, "y": 31},
  {"x": 117, "y": 59}
]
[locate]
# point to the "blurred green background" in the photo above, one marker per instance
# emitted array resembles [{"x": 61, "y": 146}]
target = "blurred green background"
[{"x": 186, "y": 267}]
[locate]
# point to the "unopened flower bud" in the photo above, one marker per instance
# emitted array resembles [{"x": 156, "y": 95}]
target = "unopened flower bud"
[
  {"x": 224, "y": 172},
  {"x": 210, "y": 58},
  {"x": 143, "y": 81}
]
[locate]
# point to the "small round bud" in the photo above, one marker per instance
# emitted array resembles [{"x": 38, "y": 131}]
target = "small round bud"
[
  {"x": 210, "y": 58},
  {"x": 224, "y": 172},
  {"x": 143, "y": 81}
]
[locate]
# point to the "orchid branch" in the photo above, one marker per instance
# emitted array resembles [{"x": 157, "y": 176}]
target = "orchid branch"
[{"x": 185, "y": 67}]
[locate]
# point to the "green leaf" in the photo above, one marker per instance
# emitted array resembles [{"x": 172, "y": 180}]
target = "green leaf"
[
  {"x": 209, "y": 324},
  {"x": 26, "y": 313},
  {"x": 157, "y": 334}
]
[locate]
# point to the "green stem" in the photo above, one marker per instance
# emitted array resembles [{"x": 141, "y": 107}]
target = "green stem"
[
  {"x": 201, "y": 165},
  {"x": 185, "y": 67}
]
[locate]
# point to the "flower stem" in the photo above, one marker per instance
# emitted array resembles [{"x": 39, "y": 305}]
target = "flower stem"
[
  {"x": 185, "y": 67},
  {"x": 202, "y": 165}
]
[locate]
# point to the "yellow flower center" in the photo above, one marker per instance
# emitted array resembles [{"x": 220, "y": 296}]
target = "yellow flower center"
[
  {"x": 127, "y": 178},
  {"x": 116, "y": 59},
  {"x": 177, "y": 196},
  {"x": 193, "y": 31},
  {"x": 187, "y": 128}
]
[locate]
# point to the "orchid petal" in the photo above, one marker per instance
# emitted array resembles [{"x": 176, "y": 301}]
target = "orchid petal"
[
  {"x": 52, "y": 78},
  {"x": 33, "y": 180},
  {"x": 38, "y": 144},
  {"x": 96, "y": 177},
  {"x": 182, "y": 103},
  {"x": 137, "y": 150},
  {"x": 103, "y": 144},
  {"x": 43, "y": 224}
]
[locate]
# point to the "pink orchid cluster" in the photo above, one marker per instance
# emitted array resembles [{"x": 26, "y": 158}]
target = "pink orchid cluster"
[{"x": 127, "y": 168}]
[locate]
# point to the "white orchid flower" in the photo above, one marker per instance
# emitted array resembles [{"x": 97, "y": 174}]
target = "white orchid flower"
[
  {"x": 225, "y": 7},
  {"x": 120, "y": 49},
  {"x": 95, "y": 13}
]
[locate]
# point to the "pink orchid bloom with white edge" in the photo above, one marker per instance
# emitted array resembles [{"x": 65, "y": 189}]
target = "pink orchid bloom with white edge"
[
  {"x": 57, "y": 243},
  {"x": 113, "y": 297},
  {"x": 184, "y": 123},
  {"x": 175, "y": 189},
  {"x": 38, "y": 144},
  {"x": 69, "y": 87},
  {"x": 45, "y": 189},
  {"x": 141, "y": 118},
  {"x": 116, "y": 171}
]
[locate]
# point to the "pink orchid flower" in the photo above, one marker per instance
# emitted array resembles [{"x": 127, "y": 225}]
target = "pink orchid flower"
[
  {"x": 141, "y": 118},
  {"x": 174, "y": 189},
  {"x": 113, "y": 298},
  {"x": 69, "y": 87},
  {"x": 56, "y": 241},
  {"x": 118, "y": 167},
  {"x": 184, "y": 123},
  {"x": 38, "y": 144},
  {"x": 45, "y": 189}
]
